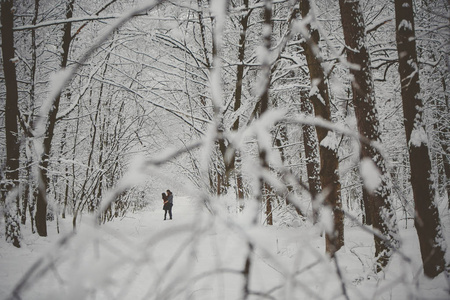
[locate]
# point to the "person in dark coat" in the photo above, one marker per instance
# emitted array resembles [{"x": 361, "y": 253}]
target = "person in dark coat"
[
  {"x": 164, "y": 198},
  {"x": 169, "y": 204}
]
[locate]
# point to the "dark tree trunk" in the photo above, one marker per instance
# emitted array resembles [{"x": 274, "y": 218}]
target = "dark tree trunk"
[
  {"x": 264, "y": 101},
  {"x": 446, "y": 162},
  {"x": 268, "y": 192},
  {"x": 311, "y": 146},
  {"x": 367, "y": 206},
  {"x": 261, "y": 195},
  {"x": 30, "y": 183},
  {"x": 238, "y": 99},
  {"x": 383, "y": 215},
  {"x": 41, "y": 204},
  {"x": 427, "y": 221},
  {"x": 12, "y": 232},
  {"x": 329, "y": 163}
]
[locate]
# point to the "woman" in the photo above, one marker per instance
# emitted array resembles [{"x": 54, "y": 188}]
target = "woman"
[{"x": 165, "y": 204}]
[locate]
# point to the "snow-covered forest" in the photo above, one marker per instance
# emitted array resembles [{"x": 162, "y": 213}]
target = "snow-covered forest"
[{"x": 306, "y": 142}]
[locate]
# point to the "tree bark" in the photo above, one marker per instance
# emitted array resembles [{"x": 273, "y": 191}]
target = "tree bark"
[
  {"x": 383, "y": 215},
  {"x": 261, "y": 195},
  {"x": 238, "y": 100},
  {"x": 41, "y": 204},
  {"x": 312, "y": 158},
  {"x": 12, "y": 232},
  {"x": 329, "y": 163},
  {"x": 444, "y": 137},
  {"x": 264, "y": 102},
  {"x": 426, "y": 219}
]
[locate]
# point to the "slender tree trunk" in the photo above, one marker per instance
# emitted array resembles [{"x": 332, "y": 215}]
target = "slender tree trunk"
[
  {"x": 63, "y": 198},
  {"x": 367, "y": 207},
  {"x": 41, "y": 205},
  {"x": 203, "y": 33},
  {"x": 264, "y": 100},
  {"x": 238, "y": 100},
  {"x": 444, "y": 136},
  {"x": 93, "y": 204},
  {"x": 383, "y": 217},
  {"x": 73, "y": 203},
  {"x": 426, "y": 220},
  {"x": 329, "y": 163},
  {"x": 28, "y": 183},
  {"x": 268, "y": 192},
  {"x": 263, "y": 159},
  {"x": 282, "y": 142},
  {"x": 446, "y": 162},
  {"x": 12, "y": 230},
  {"x": 312, "y": 158},
  {"x": 25, "y": 186}
]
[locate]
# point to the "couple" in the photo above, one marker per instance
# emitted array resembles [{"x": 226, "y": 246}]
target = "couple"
[{"x": 168, "y": 203}]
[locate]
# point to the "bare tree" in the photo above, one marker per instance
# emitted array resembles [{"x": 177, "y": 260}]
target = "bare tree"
[
  {"x": 320, "y": 99},
  {"x": 41, "y": 204},
  {"x": 383, "y": 217},
  {"x": 244, "y": 24},
  {"x": 312, "y": 157},
  {"x": 426, "y": 219},
  {"x": 12, "y": 232}
]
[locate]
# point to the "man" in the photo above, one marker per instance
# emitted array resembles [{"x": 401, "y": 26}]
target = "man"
[{"x": 170, "y": 203}]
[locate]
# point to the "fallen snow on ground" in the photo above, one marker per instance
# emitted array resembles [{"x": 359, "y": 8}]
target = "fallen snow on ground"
[{"x": 197, "y": 256}]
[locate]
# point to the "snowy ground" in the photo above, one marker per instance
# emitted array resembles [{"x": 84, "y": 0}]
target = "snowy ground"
[{"x": 196, "y": 256}]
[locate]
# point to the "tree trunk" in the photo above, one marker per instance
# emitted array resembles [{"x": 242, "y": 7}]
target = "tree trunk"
[
  {"x": 367, "y": 207},
  {"x": 203, "y": 33},
  {"x": 41, "y": 205},
  {"x": 264, "y": 101},
  {"x": 383, "y": 215},
  {"x": 426, "y": 220},
  {"x": 12, "y": 230},
  {"x": 268, "y": 192},
  {"x": 446, "y": 162},
  {"x": 329, "y": 163},
  {"x": 444, "y": 136},
  {"x": 30, "y": 183},
  {"x": 263, "y": 159},
  {"x": 238, "y": 101},
  {"x": 312, "y": 159},
  {"x": 25, "y": 185}
]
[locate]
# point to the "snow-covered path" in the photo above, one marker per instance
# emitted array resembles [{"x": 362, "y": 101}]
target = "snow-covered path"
[
  {"x": 140, "y": 256},
  {"x": 200, "y": 256},
  {"x": 184, "y": 212}
]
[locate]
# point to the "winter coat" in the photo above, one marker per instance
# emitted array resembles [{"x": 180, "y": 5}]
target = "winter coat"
[{"x": 167, "y": 206}]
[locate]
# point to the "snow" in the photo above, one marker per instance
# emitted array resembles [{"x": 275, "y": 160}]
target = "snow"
[
  {"x": 370, "y": 174},
  {"x": 261, "y": 53},
  {"x": 201, "y": 256},
  {"x": 326, "y": 220},
  {"x": 315, "y": 91},
  {"x": 266, "y": 30},
  {"x": 219, "y": 11},
  {"x": 418, "y": 137},
  {"x": 330, "y": 141},
  {"x": 405, "y": 24}
]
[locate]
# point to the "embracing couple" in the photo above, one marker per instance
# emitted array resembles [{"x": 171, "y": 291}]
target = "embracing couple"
[{"x": 168, "y": 203}]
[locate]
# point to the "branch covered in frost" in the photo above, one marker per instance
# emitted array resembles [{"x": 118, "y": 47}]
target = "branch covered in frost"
[
  {"x": 64, "y": 21},
  {"x": 62, "y": 78}
]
